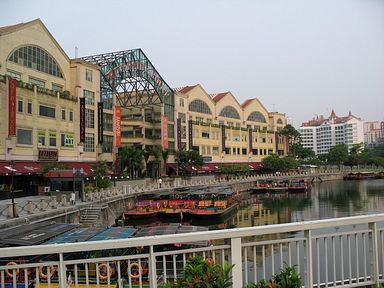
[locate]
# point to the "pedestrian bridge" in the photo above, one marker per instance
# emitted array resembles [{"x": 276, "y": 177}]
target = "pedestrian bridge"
[{"x": 341, "y": 252}]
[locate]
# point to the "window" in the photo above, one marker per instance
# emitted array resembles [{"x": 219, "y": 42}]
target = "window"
[
  {"x": 244, "y": 151},
  {"x": 181, "y": 102},
  {"x": 108, "y": 122},
  {"x": 41, "y": 137},
  {"x": 229, "y": 112},
  {"x": 20, "y": 105},
  {"x": 24, "y": 136},
  {"x": 215, "y": 150},
  {"x": 57, "y": 87},
  {"x": 256, "y": 116},
  {"x": 182, "y": 117},
  {"x": 279, "y": 121},
  {"x": 205, "y": 135},
  {"x": 199, "y": 106},
  {"x": 47, "y": 111},
  {"x": 63, "y": 114},
  {"x": 89, "y": 118},
  {"x": 88, "y": 75},
  {"x": 67, "y": 140},
  {"x": 52, "y": 139},
  {"x": 37, "y": 82},
  {"x": 89, "y": 144},
  {"x": 29, "y": 107},
  {"x": 71, "y": 116},
  {"x": 36, "y": 58},
  {"x": 14, "y": 75},
  {"x": 199, "y": 119},
  {"x": 107, "y": 144},
  {"x": 89, "y": 97}
]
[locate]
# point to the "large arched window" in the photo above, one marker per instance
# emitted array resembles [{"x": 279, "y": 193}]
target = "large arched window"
[
  {"x": 256, "y": 116},
  {"x": 36, "y": 58},
  {"x": 229, "y": 112},
  {"x": 199, "y": 106},
  {"x": 279, "y": 121}
]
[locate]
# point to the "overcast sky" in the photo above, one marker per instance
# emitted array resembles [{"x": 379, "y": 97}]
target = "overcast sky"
[{"x": 300, "y": 57}]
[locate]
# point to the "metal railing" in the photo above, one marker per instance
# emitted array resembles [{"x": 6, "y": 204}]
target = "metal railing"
[{"x": 340, "y": 252}]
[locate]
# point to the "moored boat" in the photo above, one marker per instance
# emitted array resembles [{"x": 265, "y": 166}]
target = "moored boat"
[
  {"x": 299, "y": 186},
  {"x": 143, "y": 209}
]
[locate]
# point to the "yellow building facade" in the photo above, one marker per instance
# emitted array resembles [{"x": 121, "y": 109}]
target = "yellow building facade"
[{"x": 49, "y": 87}]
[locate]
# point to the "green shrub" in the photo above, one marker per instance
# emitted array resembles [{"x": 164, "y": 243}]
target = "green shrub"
[
  {"x": 203, "y": 273},
  {"x": 287, "y": 278}
]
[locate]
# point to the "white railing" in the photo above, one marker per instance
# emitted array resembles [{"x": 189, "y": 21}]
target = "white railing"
[{"x": 341, "y": 252}]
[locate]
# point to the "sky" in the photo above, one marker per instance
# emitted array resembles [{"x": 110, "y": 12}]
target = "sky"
[{"x": 299, "y": 57}]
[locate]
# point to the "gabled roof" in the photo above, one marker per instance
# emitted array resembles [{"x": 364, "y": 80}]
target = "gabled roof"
[
  {"x": 333, "y": 117},
  {"x": 185, "y": 89},
  {"x": 219, "y": 96},
  {"x": 246, "y": 103},
  {"x": 13, "y": 28}
]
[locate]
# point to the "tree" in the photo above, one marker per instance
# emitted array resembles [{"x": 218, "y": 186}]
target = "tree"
[
  {"x": 338, "y": 154},
  {"x": 186, "y": 158},
  {"x": 298, "y": 150},
  {"x": 164, "y": 155},
  {"x": 131, "y": 159},
  {"x": 146, "y": 154},
  {"x": 272, "y": 163},
  {"x": 100, "y": 169},
  {"x": 291, "y": 133}
]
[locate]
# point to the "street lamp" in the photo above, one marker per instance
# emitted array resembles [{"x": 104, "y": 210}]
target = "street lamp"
[{"x": 11, "y": 168}]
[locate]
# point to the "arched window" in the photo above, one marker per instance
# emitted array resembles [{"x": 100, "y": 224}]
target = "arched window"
[
  {"x": 199, "y": 106},
  {"x": 256, "y": 116},
  {"x": 229, "y": 112},
  {"x": 36, "y": 58},
  {"x": 279, "y": 121}
]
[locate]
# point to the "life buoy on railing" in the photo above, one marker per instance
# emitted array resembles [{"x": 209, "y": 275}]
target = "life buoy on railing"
[
  {"x": 103, "y": 271},
  {"x": 134, "y": 270},
  {"x": 10, "y": 273},
  {"x": 44, "y": 274}
]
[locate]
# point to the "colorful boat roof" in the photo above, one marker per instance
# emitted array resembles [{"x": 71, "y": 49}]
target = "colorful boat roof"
[
  {"x": 114, "y": 233},
  {"x": 76, "y": 235}
]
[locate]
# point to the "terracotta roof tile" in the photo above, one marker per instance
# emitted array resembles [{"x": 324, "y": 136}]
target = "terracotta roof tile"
[
  {"x": 219, "y": 96},
  {"x": 185, "y": 89},
  {"x": 246, "y": 102}
]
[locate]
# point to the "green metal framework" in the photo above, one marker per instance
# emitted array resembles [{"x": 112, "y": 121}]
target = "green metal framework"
[{"x": 133, "y": 79}]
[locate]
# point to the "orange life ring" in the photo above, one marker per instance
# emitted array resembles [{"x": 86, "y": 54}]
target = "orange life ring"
[
  {"x": 100, "y": 269},
  {"x": 134, "y": 273},
  {"x": 10, "y": 273},
  {"x": 45, "y": 275}
]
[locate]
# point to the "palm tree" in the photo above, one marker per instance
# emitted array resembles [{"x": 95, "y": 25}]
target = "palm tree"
[
  {"x": 130, "y": 158},
  {"x": 156, "y": 153},
  {"x": 146, "y": 154},
  {"x": 165, "y": 154}
]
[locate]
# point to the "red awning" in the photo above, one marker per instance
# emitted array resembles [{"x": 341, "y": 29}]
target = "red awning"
[
  {"x": 20, "y": 168},
  {"x": 85, "y": 167}
]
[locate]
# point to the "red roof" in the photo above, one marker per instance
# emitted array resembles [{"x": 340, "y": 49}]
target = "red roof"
[
  {"x": 219, "y": 96},
  {"x": 186, "y": 89},
  {"x": 68, "y": 171},
  {"x": 246, "y": 103}
]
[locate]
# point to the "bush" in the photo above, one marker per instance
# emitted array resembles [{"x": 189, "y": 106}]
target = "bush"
[
  {"x": 203, "y": 273},
  {"x": 287, "y": 278}
]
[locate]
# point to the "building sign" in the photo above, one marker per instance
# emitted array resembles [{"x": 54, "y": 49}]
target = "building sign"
[
  {"x": 11, "y": 107},
  {"x": 190, "y": 139},
  {"x": 250, "y": 137},
  {"x": 117, "y": 125},
  {"x": 178, "y": 127},
  {"x": 164, "y": 121},
  {"x": 222, "y": 138},
  {"x": 48, "y": 155},
  {"x": 82, "y": 119},
  {"x": 100, "y": 122}
]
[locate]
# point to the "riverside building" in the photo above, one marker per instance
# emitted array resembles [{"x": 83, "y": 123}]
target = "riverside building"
[
  {"x": 373, "y": 134},
  {"x": 75, "y": 112},
  {"x": 321, "y": 134}
]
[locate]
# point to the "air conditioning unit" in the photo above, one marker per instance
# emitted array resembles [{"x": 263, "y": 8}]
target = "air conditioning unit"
[{"x": 47, "y": 189}]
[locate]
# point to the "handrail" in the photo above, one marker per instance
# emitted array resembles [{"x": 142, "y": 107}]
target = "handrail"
[{"x": 190, "y": 237}]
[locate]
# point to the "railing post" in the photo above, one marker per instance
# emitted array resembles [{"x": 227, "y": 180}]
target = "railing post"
[
  {"x": 375, "y": 259},
  {"x": 308, "y": 251},
  {"x": 237, "y": 270},
  {"x": 152, "y": 269},
  {"x": 62, "y": 276}
]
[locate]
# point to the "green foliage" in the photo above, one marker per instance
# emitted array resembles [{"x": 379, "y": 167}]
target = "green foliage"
[
  {"x": 235, "y": 169},
  {"x": 287, "y": 278},
  {"x": 185, "y": 158},
  {"x": 298, "y": 151},
  {"x": 338, "y": 154},
  {"x": 200, "y": 273},
  {"x": 291, "y": 133},
  {"x": 131, "y": 159},
  {"x": 100, "y": 169},
  {"x": 274, "y": 163}
]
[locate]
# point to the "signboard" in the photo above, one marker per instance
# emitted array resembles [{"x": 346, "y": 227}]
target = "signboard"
[
  {"x": 48, "y": 155},
  {"x": 190, "y": 139},
  {"x": 178, "y": 127},
  {"x": 100, "y": 122},
  {"x": 164, "y": 120},
  {"x": 117, "y": 125},
  {"x": 82, "y": 119},
  {"x": 11, "y": 107},
  {"x": 222, "y": 138}
]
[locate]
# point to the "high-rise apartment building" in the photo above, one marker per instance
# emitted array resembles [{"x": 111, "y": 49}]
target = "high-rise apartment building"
[
  {"x": 373, "y": 133},
  {"x": 321, "y": 134}
]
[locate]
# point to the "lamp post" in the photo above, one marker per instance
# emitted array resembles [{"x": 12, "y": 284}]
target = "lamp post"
[{"x": 12, "y": 169}]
